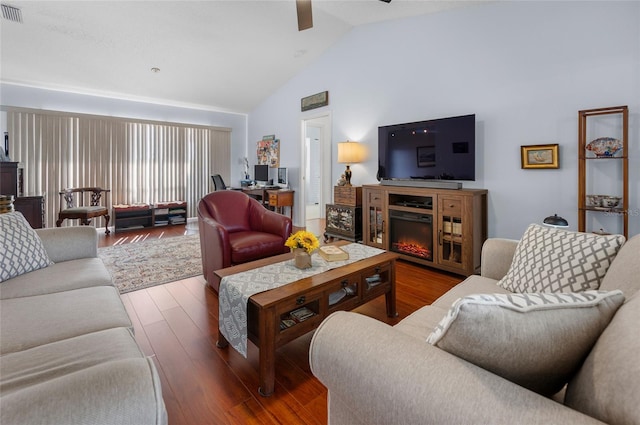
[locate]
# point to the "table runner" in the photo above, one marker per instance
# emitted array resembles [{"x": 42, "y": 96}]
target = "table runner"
[{"x": 235, "y": 290}]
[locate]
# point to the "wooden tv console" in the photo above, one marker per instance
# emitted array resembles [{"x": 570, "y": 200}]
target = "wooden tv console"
[{"x": 458, "y": 219}]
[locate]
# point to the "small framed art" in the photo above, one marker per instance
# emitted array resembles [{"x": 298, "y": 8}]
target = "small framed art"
[
  {"x": 539, "y": 156},
  {"x": 314, "y": 101}
]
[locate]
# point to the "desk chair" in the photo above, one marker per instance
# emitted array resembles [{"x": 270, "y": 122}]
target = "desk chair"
[
  {"x": 73, "y": 205},
  {"x": 218, "y": 183}
]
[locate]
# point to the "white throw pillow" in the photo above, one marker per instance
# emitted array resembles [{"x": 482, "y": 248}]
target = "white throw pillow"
[
  {"x": 549, "y": 259},
  {"x": 537, "y": 341},
  {"x": 21, "y": 249}
]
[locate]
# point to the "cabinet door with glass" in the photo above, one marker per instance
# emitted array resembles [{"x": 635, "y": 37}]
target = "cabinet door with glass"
[
  {"x": 374, "y": 218},
  {"x": 451, "y": 231}
]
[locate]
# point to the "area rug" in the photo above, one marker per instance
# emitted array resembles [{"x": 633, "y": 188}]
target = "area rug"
[{"x": 141, "y": 265}]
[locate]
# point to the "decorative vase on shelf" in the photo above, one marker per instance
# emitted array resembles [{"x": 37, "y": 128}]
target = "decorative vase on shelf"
[{"x": 302, "y": 259}]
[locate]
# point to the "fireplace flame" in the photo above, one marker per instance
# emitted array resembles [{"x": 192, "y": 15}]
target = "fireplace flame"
[{"x": 412, "y": 249}]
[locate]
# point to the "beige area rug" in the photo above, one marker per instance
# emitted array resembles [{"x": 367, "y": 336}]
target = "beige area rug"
[{"x": 141, "y": 265}]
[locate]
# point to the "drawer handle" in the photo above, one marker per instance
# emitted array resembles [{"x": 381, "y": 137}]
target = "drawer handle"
[
  {"x": 301, "y": 300},
  {"x": 451, "y": 205},
  {"x": 377, "y": 270},
  {"x": 344, "y": 283}
]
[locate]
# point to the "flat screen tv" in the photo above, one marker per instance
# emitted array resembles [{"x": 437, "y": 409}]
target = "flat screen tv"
[
  {"x": 261, "y": 173},
  {"x": 437, "y": 149}
]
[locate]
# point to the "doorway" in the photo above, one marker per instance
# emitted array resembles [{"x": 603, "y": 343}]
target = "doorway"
[
  {"x": 313, "y": 173},
  {"x": 316, "y": 170}
]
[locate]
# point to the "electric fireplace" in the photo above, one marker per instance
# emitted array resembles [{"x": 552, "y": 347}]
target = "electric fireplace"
[{"x": 411, "y": 234}]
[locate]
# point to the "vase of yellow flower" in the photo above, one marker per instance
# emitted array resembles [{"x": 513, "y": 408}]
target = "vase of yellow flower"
[
  {"x": 302, "y": 243},
  {"x": 301, "y": 258}
]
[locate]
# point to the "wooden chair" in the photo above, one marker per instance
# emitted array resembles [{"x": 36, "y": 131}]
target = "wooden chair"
[{"x": 83, "y": 203}]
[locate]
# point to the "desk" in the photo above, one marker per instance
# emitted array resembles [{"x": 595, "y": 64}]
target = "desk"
[
  {"x": 276, "y": 199},
  {"x": 281, "y": 198},
  {"x": 256, "y": 192}
]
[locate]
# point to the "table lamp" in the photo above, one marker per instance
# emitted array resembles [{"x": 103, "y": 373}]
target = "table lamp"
[{"x": 349, "y": 153}]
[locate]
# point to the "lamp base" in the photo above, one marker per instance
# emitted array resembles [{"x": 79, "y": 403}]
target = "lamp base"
[
  {"x": 347, "y": 176},
  {"x": 555, "y": 221}
]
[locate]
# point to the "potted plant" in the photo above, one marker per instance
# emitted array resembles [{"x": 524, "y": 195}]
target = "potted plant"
[{"x": 302, "y": 243}]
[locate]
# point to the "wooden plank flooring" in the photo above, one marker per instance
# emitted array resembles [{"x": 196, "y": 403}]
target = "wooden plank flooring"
[{"x": 176, "y": 323}]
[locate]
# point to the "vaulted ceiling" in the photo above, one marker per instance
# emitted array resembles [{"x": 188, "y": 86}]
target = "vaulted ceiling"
[{"x": 218, "y": 55}]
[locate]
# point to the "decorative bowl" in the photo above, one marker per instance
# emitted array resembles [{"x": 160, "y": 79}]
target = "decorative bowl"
[
  {"x": 594, "y": 200},
  {"x": 605, "y": 147},
  {"x": 610, "y": 201}
]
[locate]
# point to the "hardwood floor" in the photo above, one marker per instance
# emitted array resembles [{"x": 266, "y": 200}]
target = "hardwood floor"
[{"x": 176, "y": 323}]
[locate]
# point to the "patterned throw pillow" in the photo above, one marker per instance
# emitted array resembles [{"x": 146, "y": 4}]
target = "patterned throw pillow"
[
  {"x": 21, "y": 249},
  {"x": 549, "y": 259},
  {"x": 537, "y": 341}
]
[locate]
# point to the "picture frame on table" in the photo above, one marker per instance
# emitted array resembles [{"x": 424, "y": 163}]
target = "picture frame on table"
[{"x": 539, "y": 156}]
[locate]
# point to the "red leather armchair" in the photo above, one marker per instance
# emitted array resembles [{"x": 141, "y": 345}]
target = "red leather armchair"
[{"x": 235, "y": 229}]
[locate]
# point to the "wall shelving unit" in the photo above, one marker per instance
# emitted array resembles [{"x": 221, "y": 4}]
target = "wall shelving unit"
[{"x": 606, "y": 174}]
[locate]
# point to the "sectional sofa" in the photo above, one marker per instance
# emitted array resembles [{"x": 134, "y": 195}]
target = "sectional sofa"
[
  {"x": 547, "y": 334},
  {"x": 67, "y": 350}
]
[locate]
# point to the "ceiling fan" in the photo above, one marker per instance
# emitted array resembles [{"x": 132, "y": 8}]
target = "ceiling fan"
[{"x": 305, "y": 17}]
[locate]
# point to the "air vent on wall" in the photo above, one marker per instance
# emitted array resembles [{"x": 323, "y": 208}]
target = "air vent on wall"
[{"x": 11, "y": 13}]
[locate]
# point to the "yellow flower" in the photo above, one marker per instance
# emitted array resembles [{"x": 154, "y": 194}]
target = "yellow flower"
[{"x": 303, "y": 239}]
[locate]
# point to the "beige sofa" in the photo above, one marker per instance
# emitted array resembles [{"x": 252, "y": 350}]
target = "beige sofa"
[
  {"x": 378, "y": 374},
  {"x": 67, "y": 350}
]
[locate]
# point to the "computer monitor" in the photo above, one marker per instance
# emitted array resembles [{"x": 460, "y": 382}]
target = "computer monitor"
[
  {"x": 261, "y": 174},
  {"x": 283, "y": 178}
]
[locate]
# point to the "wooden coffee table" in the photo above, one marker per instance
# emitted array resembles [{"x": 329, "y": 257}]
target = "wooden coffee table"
[{"x": 278, "y": 316}]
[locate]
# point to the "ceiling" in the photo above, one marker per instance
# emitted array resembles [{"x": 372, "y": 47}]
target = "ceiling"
[{"x": 216, "y": 55}]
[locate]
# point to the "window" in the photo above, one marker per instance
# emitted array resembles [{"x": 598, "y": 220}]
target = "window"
[{"x": 140, "y": 161}]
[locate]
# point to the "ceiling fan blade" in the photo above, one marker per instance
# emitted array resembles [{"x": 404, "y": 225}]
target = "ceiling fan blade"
[{"x": 305, "y": 18}]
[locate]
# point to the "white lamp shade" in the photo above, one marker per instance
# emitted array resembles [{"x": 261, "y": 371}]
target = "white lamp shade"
[{"x": 350, "y": 152}]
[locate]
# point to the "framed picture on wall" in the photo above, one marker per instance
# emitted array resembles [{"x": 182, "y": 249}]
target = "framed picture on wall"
[
  {"x": 539, "y": 156},
  {"x": 314, "y": 101},
  {"x": 268, "y": 151}
]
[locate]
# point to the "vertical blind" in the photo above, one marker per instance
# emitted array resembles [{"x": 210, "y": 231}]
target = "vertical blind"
[{"x": 139, "y": 161}]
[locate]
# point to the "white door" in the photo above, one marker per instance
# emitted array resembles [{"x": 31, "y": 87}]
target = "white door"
[
  {"x": 316, "y": 166},
  {"x": 313, "y": 174}
]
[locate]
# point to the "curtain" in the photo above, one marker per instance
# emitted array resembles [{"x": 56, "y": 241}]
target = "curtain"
[{"x": 138, "y": 161}]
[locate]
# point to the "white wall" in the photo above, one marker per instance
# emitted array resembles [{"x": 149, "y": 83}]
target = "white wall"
[
  {"x": 524, "y": 69},
  {"x": 35, "y": 98}
]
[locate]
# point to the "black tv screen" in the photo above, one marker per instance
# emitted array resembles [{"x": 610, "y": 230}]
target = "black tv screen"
[
  {"x": 261, "y": 173},
  {"x": 438, "y": 149}
]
